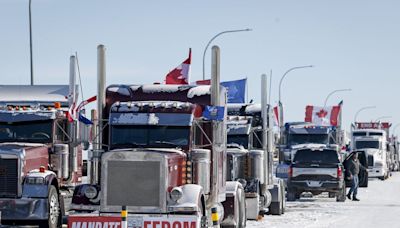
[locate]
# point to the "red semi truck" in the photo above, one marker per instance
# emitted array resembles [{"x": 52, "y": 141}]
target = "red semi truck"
[
  {"x": 40, "y": 156},
  {"x": 160, "y": 150}
]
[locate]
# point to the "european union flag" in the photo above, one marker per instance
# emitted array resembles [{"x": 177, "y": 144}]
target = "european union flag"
[
  {"x": 236, "y": 90},
  {"x": 84, "y": 119},
  {"x": 214, "y": 113}
]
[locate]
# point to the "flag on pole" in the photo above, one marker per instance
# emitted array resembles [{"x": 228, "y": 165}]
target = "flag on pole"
[
  {"x": 180, "y": 75},
  {"x": 236, "y": 90},
  {"x": 71, "y": 113},
  {"x": 84, "y": 120},
  {"x": 85, "y": 102},
  {"x": 214, "y": 113},
  {"x": 326, "y": 116}
]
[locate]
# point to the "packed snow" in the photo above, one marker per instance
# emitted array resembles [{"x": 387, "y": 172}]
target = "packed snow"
[{"x": 379, "y": 207}]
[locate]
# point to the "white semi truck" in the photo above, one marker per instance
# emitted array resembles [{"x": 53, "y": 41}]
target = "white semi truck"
[{"x": 373, "y": 138}]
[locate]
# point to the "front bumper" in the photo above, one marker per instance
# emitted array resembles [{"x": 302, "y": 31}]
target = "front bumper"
[
  {"x": 23, "y": 209},
  {"x": 324, "y": 186},
  {"x": 135, "y": 220},
  {"x": 376, "y": 172}
]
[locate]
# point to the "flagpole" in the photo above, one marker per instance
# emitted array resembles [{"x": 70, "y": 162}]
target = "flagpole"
[
  {"x": 270, "y": 87},
  {"x": 247, "y": 90}
]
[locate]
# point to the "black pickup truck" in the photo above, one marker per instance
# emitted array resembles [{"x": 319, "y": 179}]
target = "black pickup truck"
[{"x": 316, "y": 170}]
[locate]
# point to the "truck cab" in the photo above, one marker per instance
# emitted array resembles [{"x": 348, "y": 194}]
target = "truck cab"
[
  {"x": 39, "y": 156},
  {"x": 160, "y": 153},
  {"x": 375, "y": 143},
  {"x": 248, "y": 163}
]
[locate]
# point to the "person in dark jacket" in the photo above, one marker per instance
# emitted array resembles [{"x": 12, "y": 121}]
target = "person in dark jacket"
[{"x": 353, "y": 170}]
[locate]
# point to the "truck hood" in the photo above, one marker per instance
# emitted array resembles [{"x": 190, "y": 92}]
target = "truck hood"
[
  {"x": 159, "y": 150},
  {"x": 371, "y": 151}
]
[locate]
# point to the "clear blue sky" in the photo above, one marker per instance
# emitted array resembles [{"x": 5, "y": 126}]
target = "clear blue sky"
[{"x": 353, "y": 44}]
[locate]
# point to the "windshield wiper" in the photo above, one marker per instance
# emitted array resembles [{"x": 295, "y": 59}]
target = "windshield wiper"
[
  {"x": 131, "y": 144},
  {"x": 164, "y": 143}
]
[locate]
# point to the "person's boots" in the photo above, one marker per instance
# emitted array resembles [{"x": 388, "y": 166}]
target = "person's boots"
[
  {"x": 349, "y": 196},
  {"x": 355, "y": 198}
]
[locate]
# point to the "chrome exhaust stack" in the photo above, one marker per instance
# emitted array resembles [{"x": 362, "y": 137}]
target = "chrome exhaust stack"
[
  {"x": 95, "y": 154},
  {"x": 72, "y": 126},
  {"x": 267, "y": 133},
  {"x": 218, "y": 141}
]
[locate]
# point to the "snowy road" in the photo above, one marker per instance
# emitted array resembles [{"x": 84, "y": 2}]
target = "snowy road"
[{"x": 379, "y": 207}]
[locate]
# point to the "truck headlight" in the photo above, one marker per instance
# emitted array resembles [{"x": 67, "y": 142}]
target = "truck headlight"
[
  {"x": 90, "y": 192},
  {"x": 176, "y": 194}
]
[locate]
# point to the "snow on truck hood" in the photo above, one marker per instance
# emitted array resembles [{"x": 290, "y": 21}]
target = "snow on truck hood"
[{"x": 308, "y": 146}]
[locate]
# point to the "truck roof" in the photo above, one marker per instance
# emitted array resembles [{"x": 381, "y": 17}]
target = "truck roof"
[{"x": 36, "y": 94}]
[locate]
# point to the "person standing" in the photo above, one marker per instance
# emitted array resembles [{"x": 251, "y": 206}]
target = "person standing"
[{"x": 353, "y": 170}]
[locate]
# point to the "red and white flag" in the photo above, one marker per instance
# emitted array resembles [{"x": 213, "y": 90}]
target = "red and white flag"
[
  {"x": 71, "y": 113},
  {"x": 180, "y": 75},
  {"x": 326, "y": 116},
  {"x": 85, "y": 102}
]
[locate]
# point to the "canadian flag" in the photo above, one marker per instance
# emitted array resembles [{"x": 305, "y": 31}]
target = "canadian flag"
[
  {"x": 180, "y": 75},
  {"x": 326, "y": 116}
]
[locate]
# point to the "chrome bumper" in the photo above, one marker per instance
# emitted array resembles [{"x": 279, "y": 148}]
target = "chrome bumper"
[{"x": 23, "y": 209}]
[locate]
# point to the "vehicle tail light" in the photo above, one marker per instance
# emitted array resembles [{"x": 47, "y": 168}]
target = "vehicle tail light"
[
  {"x": 290, "y": 171},
  {"x": 339, "y": 172}
]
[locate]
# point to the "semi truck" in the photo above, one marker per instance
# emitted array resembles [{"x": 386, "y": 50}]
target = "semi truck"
[
  {"x": 373, "y": 137},
  {"x": 159, "y": 153},
  {"x": 250, "y": 157},
  {"x": 40, "y": 152}
]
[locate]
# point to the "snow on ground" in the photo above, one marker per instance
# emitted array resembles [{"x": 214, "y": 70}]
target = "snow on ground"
[{"x": 379, "y": 207}]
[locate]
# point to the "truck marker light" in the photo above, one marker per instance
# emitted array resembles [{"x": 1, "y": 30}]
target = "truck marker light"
[
  {"x": 57, "y": 105},
  {"x": 42, "y": 169}
]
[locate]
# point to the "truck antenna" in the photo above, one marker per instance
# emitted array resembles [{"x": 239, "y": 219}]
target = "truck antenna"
[{"x": 79, "y": 75}]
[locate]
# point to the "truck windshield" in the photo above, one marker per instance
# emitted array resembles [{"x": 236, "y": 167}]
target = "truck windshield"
[
  {"x": 242, "y": 140},
  {"x": 316, "y": 156},
  {"x": 123, "y": 136},
  {"x": 295, "y": 139},
  {"x": 367, "y": 144},
  {"x": 29, "y": 131}
]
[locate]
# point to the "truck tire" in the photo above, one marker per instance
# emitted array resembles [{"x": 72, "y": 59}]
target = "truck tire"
[
  {"x": 341, "y": 195},
  {"x": 54, "y": 219},
  {"x": 331, "y": 195},
  {"x": 291, "y": 195},
  {"x": 275, "y": 208}
]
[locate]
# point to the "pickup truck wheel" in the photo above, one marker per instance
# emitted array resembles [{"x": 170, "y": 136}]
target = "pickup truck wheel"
[
  {"x": 291, "y": 195},
  {"x": 341, "y": 195},
  {"x": 331, "y": 195},
  {"x": 54, "y": 219}
]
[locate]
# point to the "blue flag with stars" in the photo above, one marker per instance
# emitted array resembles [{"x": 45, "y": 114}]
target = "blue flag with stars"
[{"x": 236, "y": 90}]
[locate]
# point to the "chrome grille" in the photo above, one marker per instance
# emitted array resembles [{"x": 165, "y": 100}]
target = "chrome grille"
[
  {"x": 134, "y": 183},
  {"x": 8, "y": 177}
]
